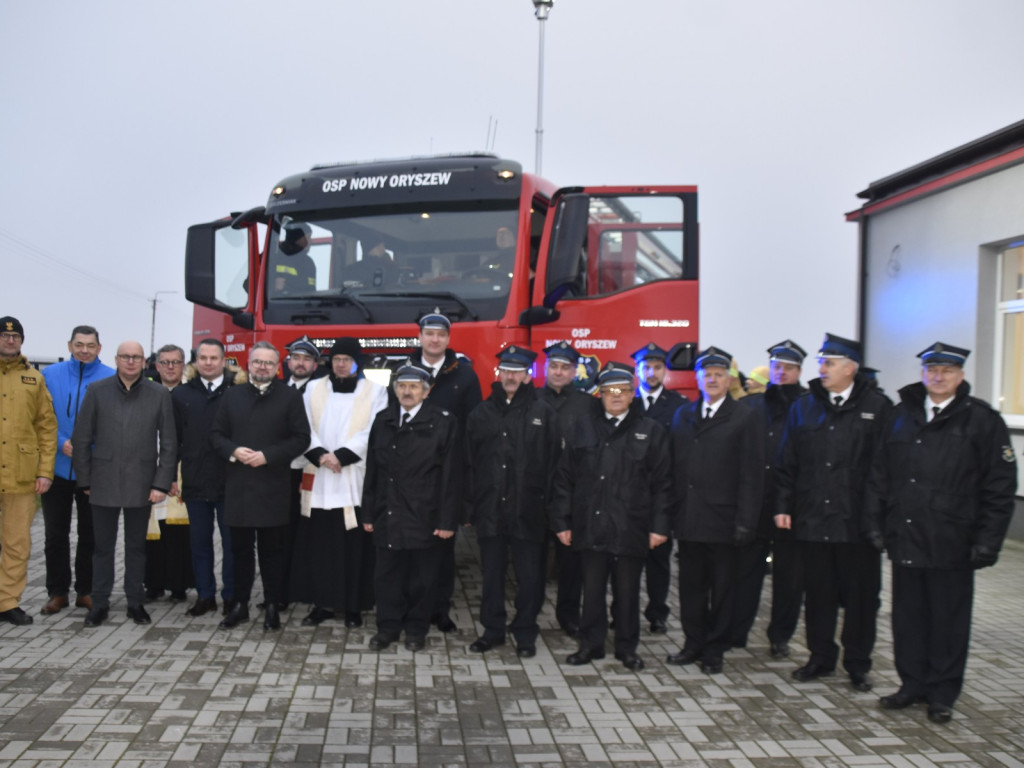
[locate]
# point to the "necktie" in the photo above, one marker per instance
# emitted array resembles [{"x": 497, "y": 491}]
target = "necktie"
[
  {"x": 839, "y": 400},
  {"x": 614, "y": 421},
  {"x": 707, "y": 413},
  {"x": 650, "y": 402},
  {"x": 405, "y": 418},
  {"x": 935, "y": 411},
  {"x": 209, "y": 386}
]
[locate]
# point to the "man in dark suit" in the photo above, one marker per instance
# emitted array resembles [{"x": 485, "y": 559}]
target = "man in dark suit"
[
  {"x": 821, "y": 479},
  {"x": 660, "y": 404},
  {"x": 940, "y": 500},
  {"x": 718, "y": 452},
  {"x": 260, "y": 427}
]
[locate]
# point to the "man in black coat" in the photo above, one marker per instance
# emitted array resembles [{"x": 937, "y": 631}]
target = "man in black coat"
[
  {"x": 411, "y": 499},
  {"x": 611, "y": 502},
  {"x": 204, "y": 472},
  {"x": 571, "y": 404},
  {"x": 454, "y": 388},
  {"x": 718, "y": 455},
  {"x": 512, "y": 446},
  {"x": 660, "y": 404},
  {"x": 821, "y": 478},
  {"x": 940, "y": 501},
  {"x": 784, "y": 387},
  {"x": 258, "y": 430}
]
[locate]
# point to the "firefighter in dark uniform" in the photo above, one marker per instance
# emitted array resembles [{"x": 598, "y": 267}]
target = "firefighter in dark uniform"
[
  {"x": 454, "y": 388},
  {"x": 512, "y": 445},
  {"x": 940, "y": 500},
  {"x": 784, "y": 387},
  {"x": 571, "y": 404},
  {"x": 660, "y": 404},
  {"x": 718, "y": 456},
  {"x": 411, "y": 497},
  {"x": 820, "y": 482},
  {"x": 611, "y": 502},
  {"x": 294, "y": 273}
]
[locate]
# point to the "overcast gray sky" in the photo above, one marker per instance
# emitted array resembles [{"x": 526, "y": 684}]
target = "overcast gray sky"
[{"x": 122, "y": 123}]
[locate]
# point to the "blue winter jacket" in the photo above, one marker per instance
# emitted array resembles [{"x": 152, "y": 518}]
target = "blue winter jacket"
[{"x": 67, "y": 382}]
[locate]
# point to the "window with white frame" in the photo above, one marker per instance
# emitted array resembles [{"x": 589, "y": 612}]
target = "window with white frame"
[{"x": 1010, "y": 327}]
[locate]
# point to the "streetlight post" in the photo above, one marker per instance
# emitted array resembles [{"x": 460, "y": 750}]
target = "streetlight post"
[
  {"x": 152, "y": 325},
  {"x": 541, "y": 10}
]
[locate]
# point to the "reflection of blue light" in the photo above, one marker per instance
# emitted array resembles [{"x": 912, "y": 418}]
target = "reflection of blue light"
[{"x": 1018, "y": 244}]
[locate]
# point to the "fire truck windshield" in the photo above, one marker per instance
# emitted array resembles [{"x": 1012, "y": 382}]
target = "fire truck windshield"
[{"x": 383, "y": 261}]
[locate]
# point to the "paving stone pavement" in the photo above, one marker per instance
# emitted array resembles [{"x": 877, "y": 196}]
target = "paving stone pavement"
[{"x": 184, "y": 693}]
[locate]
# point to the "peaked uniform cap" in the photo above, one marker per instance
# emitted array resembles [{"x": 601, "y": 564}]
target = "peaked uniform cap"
[
  {"x": 941, "y": 353},
  {"x": 563, "y": 350},
  {"x": 787, "y": 351},
  {"x": 713, "y": 356},
  {"x": 837, "y": 346}
]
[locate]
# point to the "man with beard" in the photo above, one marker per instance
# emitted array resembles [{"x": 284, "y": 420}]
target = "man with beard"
[
  {"x": 513, "y": 441},
  {"x": 259, "y": 428},
  {"x": 411, "y": 496},
  {"x": 332, "y": 564},
  {"x": 940, "y": 501},
  {"x": 784, "y": 366}
]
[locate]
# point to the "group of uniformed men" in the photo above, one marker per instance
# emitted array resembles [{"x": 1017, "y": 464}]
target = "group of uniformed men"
[{"x": 351, "y": 494}]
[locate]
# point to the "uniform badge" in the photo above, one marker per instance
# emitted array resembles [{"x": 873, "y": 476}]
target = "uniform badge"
[
  {"x": 868, "y": 416},
  {"x": 28, "y": 379},
  {"x": 1008, "y": 456}
]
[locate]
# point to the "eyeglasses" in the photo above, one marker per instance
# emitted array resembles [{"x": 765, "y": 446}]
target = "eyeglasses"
[
  {"x": 131, "y": 358},
  {"x": 10, "y": 336},
  {"x": 263, "y": 363},
  {"x": 170, "y": 363}
]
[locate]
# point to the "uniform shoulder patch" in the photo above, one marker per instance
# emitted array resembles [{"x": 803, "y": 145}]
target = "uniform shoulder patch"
[
  {"x": 28, "y": 380},
  {"x": 640, "y": 435},
  {"x": 1008, "y": 456},
  {"x": 537, "y": 421}
]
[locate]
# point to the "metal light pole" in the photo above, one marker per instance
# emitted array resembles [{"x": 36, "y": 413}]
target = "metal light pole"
[
  {"x": 541, "y": 10},
  {"x": 152, "y": 325}
]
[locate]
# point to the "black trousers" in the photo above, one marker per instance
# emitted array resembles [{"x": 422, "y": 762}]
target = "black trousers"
[
  {"x": 931, "y": 630},
  {"x": 268, "y": 543},
  {"x": 707, "y": 589},
  {"x": 405, "y": 581},
  {"x": 57, "y": 549},
  {"x": 787, "y": 588},
  {"x": 528, "y": 564},
  {"x": 624, "y": 572},
  {"x": 105, "y": 524},
  {"x": 569, "y": 596},
  {"x": 659, "y": 576},
  {"x": 751, "y": 563},
  {"x": 444, "y": 589},
  {"x": 847, "y": 575}
]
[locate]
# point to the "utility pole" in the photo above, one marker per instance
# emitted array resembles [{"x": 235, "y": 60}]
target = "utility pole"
[
  {"x": 541, "y": 10},
  {"x": 152, "y": 325}
]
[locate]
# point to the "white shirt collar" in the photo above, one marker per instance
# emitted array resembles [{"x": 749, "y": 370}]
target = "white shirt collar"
[
  {"x": 929, "y": 404},
  {"x": 412, "y": 413},
  {"x": 216, "y": 382},
  {"x": 713, "y": 406},
  {"x": 645, "y": 393}
]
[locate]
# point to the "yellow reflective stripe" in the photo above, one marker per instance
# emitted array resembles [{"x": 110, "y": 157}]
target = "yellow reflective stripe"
[{"x": 282, "y": 269}]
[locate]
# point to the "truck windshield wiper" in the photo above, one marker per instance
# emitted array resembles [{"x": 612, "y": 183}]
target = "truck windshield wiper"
[
  {"x": 429, "y": 295},
  {"x": 329, "y": 297}
]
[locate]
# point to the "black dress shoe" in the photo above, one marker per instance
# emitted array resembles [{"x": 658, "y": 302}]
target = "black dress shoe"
[
  {"x": 236, "y": 616},
  {"x": 482, "y": 644},
  {"x": 630, "y": 661},
  {"x": 659, "y": 627},
  {"x": 415, "y": 644},
  {"x": 380, "y": 641},
  {"x": 780, "y": 650},
  {"x": 585, "y": 656},
  {"x": 203, "y": 606},
  {"x": 526, "y": 651},
  {"x": 711, "y": 666},
  {"x": 138, "y": 615},
  {"x": 898, "y": 700},
  {"x": 353, "y": 620},
  {"x": 16, "y": 616},
  {"x": 939, "y": 713},
  {"x": 684, "y": 657},
  {"x": 96, "y": 616},
  {"x": 810, "y": 671},
  {"x": 860, "y": 682},
  {"x": 271, "y": 617},
  {"x": 317, "y": 616},
  {"x": 444, "y": 623}
]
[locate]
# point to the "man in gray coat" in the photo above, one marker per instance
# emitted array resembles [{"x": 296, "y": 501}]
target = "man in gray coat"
[{"x": 123, "y": 452}]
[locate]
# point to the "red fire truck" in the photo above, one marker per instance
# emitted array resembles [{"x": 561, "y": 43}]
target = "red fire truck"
[{"x": 365, "y": 249}]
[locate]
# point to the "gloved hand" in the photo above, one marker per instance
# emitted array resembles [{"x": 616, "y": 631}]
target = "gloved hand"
[
  {"x": 983, "y": 557},
  {"x": 876, "y": 540},
  {"x": 742, "y": 536}
]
